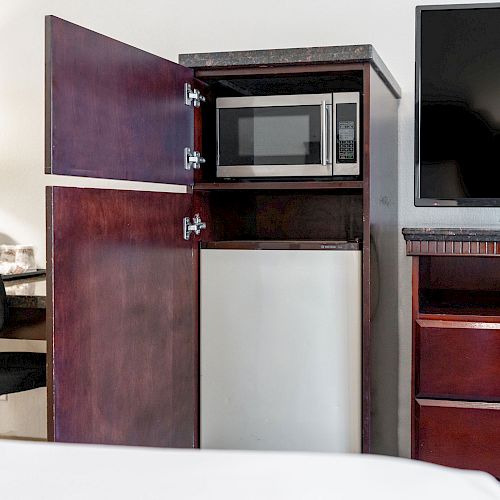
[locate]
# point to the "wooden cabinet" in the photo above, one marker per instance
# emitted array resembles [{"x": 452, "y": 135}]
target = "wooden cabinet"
[
  {"x": 456, "y": 347},
  {"x": 123, "y": 281},
  {"x": 458, "y": 434},
  {"x": 448, "y": 355}
]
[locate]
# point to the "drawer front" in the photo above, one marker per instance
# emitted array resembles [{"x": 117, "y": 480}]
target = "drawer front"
[
  {"x": 459, "y": 434},
  {"x": 458, "y": 360}
]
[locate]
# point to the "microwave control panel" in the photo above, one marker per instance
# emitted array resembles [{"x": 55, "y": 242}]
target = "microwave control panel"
[
  {"x": 346, "y": 133},
  {"x": 346, "y": 139}
]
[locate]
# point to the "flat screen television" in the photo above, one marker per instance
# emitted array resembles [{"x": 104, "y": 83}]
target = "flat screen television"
[{"x": 457, "y": 105}]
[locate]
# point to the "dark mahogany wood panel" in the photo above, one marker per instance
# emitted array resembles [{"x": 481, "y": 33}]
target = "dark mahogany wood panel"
[
  {"x": 459, "y": 362},
  {"x": 123, "y": 313},
  {"x": 463, "y": 435},
  {"x": 114, "y": 111},
  {"x": 461, "y": 273},
  {"x": 459, "y": 285}
]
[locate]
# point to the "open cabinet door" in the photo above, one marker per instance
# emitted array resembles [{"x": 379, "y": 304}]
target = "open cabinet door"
[
  {"x": 122, "y": 280},
  {"x": 122, "y": 343},
  {"x": 114, "y": 111}
]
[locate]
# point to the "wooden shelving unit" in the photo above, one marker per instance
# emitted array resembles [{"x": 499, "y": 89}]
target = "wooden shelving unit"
[
  {"x": 456, "y": 340},
  {"x": 137, "y": 269}
]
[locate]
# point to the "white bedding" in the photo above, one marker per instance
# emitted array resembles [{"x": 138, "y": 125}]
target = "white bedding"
[{"x": 48, "y": 471}]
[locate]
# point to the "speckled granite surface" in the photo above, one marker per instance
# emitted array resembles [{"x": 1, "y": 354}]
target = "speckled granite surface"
[
  {"x": 275, "y": 57},
  {"x": 451, "y": 234},
  {"x": 27, "y": 293}
]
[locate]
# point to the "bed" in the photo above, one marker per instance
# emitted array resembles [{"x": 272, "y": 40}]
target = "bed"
[{"x": 56, "y": 471}]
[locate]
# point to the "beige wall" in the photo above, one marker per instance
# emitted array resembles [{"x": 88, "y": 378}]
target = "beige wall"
[{"x": 166, "y": 28}]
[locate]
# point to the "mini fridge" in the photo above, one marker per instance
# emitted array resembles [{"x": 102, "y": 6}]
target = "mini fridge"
[{"x": 280, "y": 349}]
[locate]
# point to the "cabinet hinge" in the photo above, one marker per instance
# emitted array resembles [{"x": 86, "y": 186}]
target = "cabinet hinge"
[
  {"x": 192, "y": 226},
  {"x": 192, "y": 159},
  {"x": 193, "y": 96}
]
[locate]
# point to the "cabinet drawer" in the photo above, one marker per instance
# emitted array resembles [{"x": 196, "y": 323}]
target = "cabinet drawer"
[
  {"x": 458, "y": 360},
  {"x": 459, "y": 434}
]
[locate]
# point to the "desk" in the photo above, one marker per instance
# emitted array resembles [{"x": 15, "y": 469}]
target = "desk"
[{"x": 26, "y": 299}]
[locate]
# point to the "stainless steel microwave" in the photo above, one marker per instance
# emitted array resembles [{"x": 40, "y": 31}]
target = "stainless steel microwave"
[{"x": 307, "y": 135}]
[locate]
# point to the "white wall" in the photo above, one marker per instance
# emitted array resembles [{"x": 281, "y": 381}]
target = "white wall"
[{"x": 165, "y": 28}]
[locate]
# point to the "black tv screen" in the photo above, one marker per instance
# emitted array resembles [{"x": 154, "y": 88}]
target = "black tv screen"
[{"x": 457, "y": 146}]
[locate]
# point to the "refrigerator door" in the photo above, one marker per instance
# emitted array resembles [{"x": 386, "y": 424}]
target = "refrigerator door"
[{"x": 281, "y": 350}]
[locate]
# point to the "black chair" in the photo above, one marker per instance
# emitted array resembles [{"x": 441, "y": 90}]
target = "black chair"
[
  {"x": 22, "y": 371},
  {"x": 19, "y": 371}
]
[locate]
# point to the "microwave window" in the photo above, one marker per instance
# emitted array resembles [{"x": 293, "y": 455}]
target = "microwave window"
[{"x": 287, "y": 135}]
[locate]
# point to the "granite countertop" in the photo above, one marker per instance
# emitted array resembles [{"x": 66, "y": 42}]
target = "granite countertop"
[
  {"x": 275, "y": 57},
  {"x": 451, "y": 234},
  {"x": 27, "y": 293}
]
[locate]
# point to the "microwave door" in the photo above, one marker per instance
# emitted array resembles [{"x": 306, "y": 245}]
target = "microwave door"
[{"x": 270, "y": 136}]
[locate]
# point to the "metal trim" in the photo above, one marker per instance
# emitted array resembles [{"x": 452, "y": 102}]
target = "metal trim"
[
  {"x": 311, "y": 170},
  {"x": 345, "y": 168},
  {"x": 272, "y": 101}
]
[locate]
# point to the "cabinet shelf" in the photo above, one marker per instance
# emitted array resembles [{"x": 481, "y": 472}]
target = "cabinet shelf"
[
  {"x": 460, "y": 302},
  {"x": 448, "y": 318},
  {"x": 277, "y": 185},
  {"x": 282, "y": 245}
]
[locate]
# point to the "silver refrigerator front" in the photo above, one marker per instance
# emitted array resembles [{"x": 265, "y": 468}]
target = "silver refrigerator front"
[{"x": 280, "y": 352}]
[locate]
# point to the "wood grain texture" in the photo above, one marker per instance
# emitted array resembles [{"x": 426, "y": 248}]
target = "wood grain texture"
[
  {"x": 113, "y": 111},
  {"x": 458, "y": 363},
  {"x": 458, "y": 436},
  {"x": 123, "y": 331},
  {"x": 455, "y": 370}
]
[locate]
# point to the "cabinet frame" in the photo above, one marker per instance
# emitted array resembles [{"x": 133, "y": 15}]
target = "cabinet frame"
[
  {"x": 431, "y": 251},
  {"x": 377, "y": 194}
]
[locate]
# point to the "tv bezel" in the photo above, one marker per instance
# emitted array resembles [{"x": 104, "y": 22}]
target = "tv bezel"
[{"x": 429, "y": 202}]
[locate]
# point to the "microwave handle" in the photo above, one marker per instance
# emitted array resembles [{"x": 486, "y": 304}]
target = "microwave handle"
[{"x": 324, "y": 134}]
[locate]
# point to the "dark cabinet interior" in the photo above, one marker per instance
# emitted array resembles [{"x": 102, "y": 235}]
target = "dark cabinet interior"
[
  {"x": 360, "y": 209},
  {"x": 285, "y": 215},
  {"x": 459, "y": 285},
  {"x": 263, "y": 82}
]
